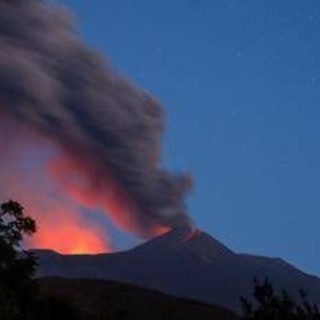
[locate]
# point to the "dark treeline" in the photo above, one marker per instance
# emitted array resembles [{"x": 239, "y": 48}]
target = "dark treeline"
[
  {"x": 270, "y": 305},
  {"x": 21, "y": 297}
]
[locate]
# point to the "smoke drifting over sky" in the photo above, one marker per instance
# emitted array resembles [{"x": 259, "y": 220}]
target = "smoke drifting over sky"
[{"x": 102, "y": 134}]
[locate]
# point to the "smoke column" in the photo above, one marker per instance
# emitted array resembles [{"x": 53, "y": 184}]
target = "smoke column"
[{"x": 104, "y": 133}]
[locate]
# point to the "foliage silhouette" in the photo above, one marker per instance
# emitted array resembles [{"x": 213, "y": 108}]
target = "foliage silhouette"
[
  {"x": 17, "y": 266},
  {"x": 20, "y": 294},
  {"x": 269, "y": 305}
]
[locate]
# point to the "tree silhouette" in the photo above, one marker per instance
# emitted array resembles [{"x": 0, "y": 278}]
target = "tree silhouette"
[
  {"x": 17, "y": 266},
  {"x": 21, "y": 297},
  {"x": 269, "y": 305}
]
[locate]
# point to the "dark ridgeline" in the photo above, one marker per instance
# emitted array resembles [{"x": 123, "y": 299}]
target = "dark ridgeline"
[
  {"x": 185, "y": 264},
  {"x": 122, "y": 301}
]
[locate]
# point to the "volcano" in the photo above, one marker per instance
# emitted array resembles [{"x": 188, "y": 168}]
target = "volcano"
[{"x": 184, "y": 263}]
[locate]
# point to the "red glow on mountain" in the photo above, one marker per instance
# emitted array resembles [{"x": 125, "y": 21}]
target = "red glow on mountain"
[{"x": 192, "y": 234}]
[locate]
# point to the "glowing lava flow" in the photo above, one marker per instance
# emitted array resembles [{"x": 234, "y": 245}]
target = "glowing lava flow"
[{"x": 191, "y": 235}]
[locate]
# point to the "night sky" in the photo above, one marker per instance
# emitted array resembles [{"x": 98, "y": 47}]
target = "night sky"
[{"x": 239, "y": 81}]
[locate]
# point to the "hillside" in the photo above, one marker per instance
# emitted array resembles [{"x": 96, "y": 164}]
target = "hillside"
[{"x": 123, "y": 301}]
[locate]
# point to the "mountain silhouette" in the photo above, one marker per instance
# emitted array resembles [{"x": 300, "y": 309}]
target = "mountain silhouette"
[{"x": 184, "y": 263}]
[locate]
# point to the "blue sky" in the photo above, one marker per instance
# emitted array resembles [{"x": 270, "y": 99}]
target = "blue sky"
[{"x": 239, "y": 81}]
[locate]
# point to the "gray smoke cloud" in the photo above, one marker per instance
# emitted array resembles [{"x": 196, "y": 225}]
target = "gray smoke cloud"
[{"x": 107, "y": 131}]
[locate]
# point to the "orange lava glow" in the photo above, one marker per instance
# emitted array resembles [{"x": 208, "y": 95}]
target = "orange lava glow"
[
  {"x": 69, "y": 239},
  {"x": 60, "y": 226},
  {"x": 62, "y": 229}
]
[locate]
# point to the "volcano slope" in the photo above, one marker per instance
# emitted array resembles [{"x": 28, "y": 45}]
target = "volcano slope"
[{"x": 185, "y": 264}]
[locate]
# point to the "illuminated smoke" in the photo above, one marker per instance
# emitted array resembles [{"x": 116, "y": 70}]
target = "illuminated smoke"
[
  {"x": 60, "y": 225},
  {"x": 106, "y": 133}
]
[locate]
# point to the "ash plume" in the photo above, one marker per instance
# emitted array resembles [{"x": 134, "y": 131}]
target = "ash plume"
[{"x": 106, "y": 131}]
